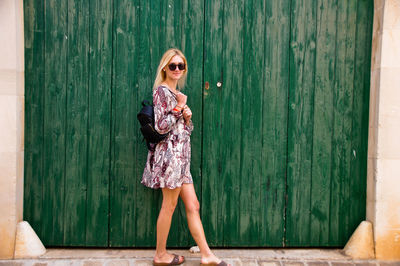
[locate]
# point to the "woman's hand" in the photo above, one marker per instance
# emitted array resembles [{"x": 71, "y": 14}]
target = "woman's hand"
[
  {"x": 187, "y": 114},
  {"x": 181, "y": 99}
]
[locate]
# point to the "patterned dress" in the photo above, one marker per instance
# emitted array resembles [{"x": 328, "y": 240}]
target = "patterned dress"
[{"x": 169, "y": 164}]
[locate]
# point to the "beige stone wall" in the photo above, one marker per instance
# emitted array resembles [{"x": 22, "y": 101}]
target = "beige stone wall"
[
  {"x": 11, "y": 122},
  {"x": 383, "y": 194}
]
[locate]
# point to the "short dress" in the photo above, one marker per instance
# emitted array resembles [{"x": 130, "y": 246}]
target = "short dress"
[{"x": 168, "y": 163}]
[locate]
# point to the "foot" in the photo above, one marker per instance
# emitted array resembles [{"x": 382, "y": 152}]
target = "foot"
[
  {"x": 166, "y": 258},
  {"x": 210, "y": 259}
]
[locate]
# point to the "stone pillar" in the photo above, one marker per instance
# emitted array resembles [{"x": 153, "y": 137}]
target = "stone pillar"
[
  {"x": 383, "y": 183},
  {"x": 11, "y": 122}
]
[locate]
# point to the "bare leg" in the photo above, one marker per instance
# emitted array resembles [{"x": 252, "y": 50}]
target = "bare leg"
[
  {"x": 192, "y": 206},
  {"x": 170, "y": 199}
]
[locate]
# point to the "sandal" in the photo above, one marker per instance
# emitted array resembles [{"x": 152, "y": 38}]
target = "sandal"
[
  {"x": 175, "y": 261},
  {"x": 222, "y": 263}
]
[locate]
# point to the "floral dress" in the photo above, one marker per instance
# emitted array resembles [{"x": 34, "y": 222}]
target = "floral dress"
[{"x": 168, "y": 164}]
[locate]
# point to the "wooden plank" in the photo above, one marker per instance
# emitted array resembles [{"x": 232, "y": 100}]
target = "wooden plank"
[
  {"x": 250, "y": 206},
  {"x": 146, "y": 211},
  {"x": 54, "y": 121},
  {"x": 362, "y": 59},
  {"x": 212, "y": 133},
  {"x": 34, "y": 96},
  {"x": 124, "y": 124},
  {"x": 345, "y": 195},
  {"x": 323, "y": 123},
  {"x": 99, "y": 116},
  {"x": 338, "y": 137},
  {"x": 275, "y": 119},
  {"x": 301, "y": 96},
  {"x": 231, "y": 116},
  {"x": 76, "y": 124}
]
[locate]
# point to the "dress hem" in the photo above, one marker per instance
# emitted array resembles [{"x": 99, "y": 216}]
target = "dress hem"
[{"x": 158, "y": 187}]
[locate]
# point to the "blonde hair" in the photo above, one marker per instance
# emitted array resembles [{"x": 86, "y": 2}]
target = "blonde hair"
[{"x": 161, "y": 75}]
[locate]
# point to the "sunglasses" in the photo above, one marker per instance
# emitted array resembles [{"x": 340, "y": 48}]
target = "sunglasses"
[{"x": 172, "y": 66}]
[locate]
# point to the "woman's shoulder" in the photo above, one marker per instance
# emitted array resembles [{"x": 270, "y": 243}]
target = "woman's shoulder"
[{"x": 162, "y": 89}]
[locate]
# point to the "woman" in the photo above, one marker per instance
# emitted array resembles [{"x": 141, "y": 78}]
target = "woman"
[{"x": 168, "y": 163}]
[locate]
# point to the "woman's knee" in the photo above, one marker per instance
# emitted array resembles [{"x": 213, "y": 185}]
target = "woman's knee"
[
  {"x": 193, "y": 206},
  {"x": 169, "y": 206}
]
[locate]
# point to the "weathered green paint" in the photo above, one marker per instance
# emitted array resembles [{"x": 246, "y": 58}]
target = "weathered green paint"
[
  {"x": 99, "y": 113},
  {"x": 279, "y": 91}
]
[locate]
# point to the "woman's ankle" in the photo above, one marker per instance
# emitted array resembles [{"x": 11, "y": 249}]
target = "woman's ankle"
[
  {"x": 160, "y": 253},
  {"x": 207, "y": 254}
]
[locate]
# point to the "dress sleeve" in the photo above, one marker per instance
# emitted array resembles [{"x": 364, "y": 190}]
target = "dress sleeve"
[
  {"x": 189, "y": 127},
  {"x": 164, "y": 116}
]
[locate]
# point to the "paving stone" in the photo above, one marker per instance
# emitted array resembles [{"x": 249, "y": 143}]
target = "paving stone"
[
  {"x": 249, "y": 262},
  {"x": 117, "y": 263},
  {"x": 10, "y": 263},
  {"x": 367, "y": 263},
  {"x": 93, "y": 263},
  {"x": 292, "y": 263},
  {"x": 318, "y": 263},
  {"x": 233, "y": 262},
  {"x": 269, "y": 263},
  {"x": 40, "y": 264},
  {"x": 389, "y": 263},
  {"x": 346, "y": 263},
  {"x": 143, "y": 263},
  {"x": 63, "y": 262}
]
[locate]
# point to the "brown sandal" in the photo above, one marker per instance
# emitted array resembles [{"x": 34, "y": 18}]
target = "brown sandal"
[{"x": 175, "y": 261}]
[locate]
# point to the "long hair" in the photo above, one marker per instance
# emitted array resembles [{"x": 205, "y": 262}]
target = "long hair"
[{"x": 161, "y": 75}]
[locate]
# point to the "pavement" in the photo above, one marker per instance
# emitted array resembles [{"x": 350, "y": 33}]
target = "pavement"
[{"x": 236, "y": 257}]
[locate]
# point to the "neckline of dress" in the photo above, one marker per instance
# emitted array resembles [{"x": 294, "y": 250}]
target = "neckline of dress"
[{"x": 169, "y": 90}]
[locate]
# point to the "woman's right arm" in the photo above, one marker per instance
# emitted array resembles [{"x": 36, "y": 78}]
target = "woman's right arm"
[{"x": 164, "y": 116}]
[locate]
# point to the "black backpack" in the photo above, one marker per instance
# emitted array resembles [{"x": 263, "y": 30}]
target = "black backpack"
[{"x": 146, "y": 120}]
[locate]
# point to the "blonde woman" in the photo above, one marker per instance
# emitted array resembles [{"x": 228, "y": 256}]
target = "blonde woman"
[{"x": 168, "y": 163}]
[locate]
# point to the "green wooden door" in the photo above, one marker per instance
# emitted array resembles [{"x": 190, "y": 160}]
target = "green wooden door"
[
  {"x": 279, "y": 92},
  {"x": 285, "y": 121}
]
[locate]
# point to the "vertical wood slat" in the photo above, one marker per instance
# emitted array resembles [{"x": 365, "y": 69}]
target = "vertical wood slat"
[
  {"x": 338, "y": 138},
  {"x": 231, "y": 116},
  {"x": 76, "y": 124},
  {"x": 99, "y": 116},
  {"x": 322, "y": 122},
  {"x": 143, "y": 90},
  {"x": 147, "y": 210},
  {"x": 345, "y": 195},
  {"x": 54, "y": 121},
  {"x": 34, "y": 30},
  {"x": 275, "y": 121},
  {"x": 360, "y": 114},
  {"x": 301, "y": 97},
  {"x": 212, "y": 134},
  {"x": 124, "y": 123},
  {"x": 251, "y": 124}
]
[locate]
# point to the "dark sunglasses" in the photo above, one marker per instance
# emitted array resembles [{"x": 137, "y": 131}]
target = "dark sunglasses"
[{"x": 173, "y": 66}]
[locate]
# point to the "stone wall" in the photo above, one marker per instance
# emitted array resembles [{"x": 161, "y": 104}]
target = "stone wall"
[
  {"x": 11, "y": 122},
  {"x": 383, "y": 194}
]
